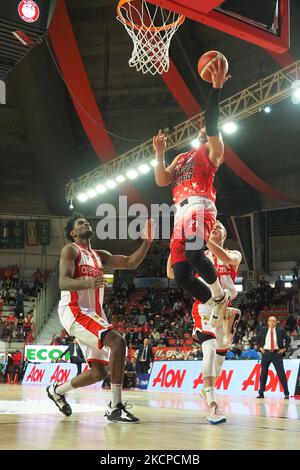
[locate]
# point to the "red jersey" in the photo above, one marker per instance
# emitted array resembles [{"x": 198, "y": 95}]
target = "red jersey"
[
  {"x": 88, "y": 265},
  {"x": 194, "y": 176},
  {"x": 17, "y": 358}
]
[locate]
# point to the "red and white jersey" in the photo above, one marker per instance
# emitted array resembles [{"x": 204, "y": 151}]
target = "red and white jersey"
[
  {"x": 88, "y": 264},
  {"x": 194, "y": 176},
  {"x": 226, "y": 274}
]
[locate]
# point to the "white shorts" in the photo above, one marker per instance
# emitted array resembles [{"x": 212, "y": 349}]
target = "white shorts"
[{"x": 87, "y": 327}]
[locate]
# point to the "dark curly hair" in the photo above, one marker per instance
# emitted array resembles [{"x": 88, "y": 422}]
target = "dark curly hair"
[{"x": 70, "y": 225}]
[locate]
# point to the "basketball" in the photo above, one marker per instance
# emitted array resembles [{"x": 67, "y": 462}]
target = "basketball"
[{"x": 205, "y": 61}]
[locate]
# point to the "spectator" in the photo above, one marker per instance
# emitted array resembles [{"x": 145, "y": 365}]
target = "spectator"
[
  {"x": 16, "y": 366},
  {"x": 250, "y": 352},
  {"x": 142, "y": 319},
  {"x": 144, "y": 357},
  {"x": 20, "y": 297},
  {"x": 291, "y": 323},
  {"x": 38, "y": 280},
  {"x": 15, "y": 276},
  {"x": 155, "y": 336},
  {"x": 76, "y": 355}
]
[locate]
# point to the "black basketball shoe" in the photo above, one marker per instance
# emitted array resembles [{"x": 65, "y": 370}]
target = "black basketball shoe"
[
  {"x": 59, "y": 400},
  {"x": 120, "y": 414}
]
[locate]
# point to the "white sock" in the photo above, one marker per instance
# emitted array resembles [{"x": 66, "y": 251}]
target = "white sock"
[
  {"x": 216, "y": 290},
  {"x": 116, "y": 390},
  {"x": 64, "y": 388},
  {"x": 210, "y": 394},
  {"x": 219, "y": 361}
]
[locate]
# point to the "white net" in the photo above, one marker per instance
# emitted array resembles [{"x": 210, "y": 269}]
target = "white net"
[{"x": 151, "y": 30}]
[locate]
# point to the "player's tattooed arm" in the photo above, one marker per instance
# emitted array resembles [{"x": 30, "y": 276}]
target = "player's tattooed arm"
[
  {"x": 67, "y": 261},
  {"x": 135, "y": 259},
  {"x": 228, "y": 257}
]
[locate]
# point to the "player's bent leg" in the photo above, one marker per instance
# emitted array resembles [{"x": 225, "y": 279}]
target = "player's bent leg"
[
  {"x": 116, "y": 410},
  {"x": 219, "y": 361},
  {"x": 185, "y": 278},
  {"x": 230, "y": 323},
  {"x": 89, "y": 330}
]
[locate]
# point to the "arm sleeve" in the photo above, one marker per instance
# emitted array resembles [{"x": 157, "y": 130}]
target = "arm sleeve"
[{"x": 212, "y": 112}]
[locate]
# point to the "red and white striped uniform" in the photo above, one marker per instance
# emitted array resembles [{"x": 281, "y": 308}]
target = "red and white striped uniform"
[
  {"x": 193, "y": 183},
  {"x": 81, "y": 312},
  {"x": 201, "y": 314}
]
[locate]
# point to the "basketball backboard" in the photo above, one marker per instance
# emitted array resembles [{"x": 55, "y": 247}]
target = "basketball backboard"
[{"x": 230, "y": 17}]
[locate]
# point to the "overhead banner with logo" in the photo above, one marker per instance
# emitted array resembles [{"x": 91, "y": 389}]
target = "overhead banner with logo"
[{"x": 237, "y": 377}]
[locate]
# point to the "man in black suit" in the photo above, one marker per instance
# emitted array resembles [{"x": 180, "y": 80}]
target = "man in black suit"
[
  {"x": 273, "y": 343},
  {"x": 76, "y": 355},
  {"x": 144, "y": 357}
]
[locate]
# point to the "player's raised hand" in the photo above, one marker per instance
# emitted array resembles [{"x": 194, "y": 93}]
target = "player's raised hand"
[
  {"x": 160, "y": 143},
  {"x": 149, "y": 230},
  {"x": 217, "y": 70}
]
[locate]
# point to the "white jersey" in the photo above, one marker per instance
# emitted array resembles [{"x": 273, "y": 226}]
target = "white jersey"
[
  {"x": 226, "y": 274},
  {"x": 88, "y": 265}
]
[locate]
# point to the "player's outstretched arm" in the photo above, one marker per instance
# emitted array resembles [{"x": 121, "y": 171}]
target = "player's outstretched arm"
[
  {"x": 228, "y": 257},
  {"x": 163, "y": 174},
  {"x": 67, "y": 270},
  {"x": 134, "y": 260},
  {"x": 215, "y": 143}
]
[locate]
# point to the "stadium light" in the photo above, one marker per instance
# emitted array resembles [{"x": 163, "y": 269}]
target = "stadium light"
[
  {"x": 144, "y": 168},
  {"x": 111, "y": 184},
  {"x": 132, "y": 174},
  {"x": 296, "y": 93},
  {"x": 82, "y": 197},
  {"x": 195, "y": 143},
  {"x": 267, "y": 109},
  {"x": 101, "y": 189},
  {"x": 120, "y": 179},
  {"x": 153, "y": 162},
  {"x": 91, "y": 193},
  {"x": 71, "y": 205},
  {"x": 229, "y": 127}
]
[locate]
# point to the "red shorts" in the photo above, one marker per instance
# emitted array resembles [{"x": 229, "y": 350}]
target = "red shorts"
[{"x": 190, "y": 224}]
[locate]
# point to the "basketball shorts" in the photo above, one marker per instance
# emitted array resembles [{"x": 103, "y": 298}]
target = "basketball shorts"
[
  {"x": 87, "y": 327},
  {"x": 201, "y": 316},
  {"x": 191, "y": 221}
]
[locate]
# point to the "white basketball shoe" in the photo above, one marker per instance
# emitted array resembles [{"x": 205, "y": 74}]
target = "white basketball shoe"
[{"x": 216, "y": 415}]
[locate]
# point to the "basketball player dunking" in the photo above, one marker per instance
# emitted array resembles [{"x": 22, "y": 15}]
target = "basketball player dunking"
[
  {"x": 216, "y": 340},
  {"x": 192, "y": 175},
  {"x": 81, "y": 314}
]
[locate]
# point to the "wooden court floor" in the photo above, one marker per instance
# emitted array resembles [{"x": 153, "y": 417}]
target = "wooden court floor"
[{"x": 28, "y": 420}]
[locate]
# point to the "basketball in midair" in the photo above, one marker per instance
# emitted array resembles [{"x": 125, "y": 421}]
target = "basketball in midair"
[{"x": 205, "y": 61}]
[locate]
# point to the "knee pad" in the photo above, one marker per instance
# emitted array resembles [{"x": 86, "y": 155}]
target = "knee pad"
[
  {"x": 209, "y": 356},
  {"x": 219, "y": 361}
]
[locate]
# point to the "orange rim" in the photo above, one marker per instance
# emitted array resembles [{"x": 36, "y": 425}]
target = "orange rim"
[{"x": 178, "y": 22}]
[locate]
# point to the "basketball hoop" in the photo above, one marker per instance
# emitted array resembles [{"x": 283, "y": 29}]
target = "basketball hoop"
[{"x": 151, "y": 32}]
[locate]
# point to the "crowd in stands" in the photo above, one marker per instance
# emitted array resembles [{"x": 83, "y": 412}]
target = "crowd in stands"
[
  {"x": 156, "y": 261},
  {"x": 16, "y": 322}
]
